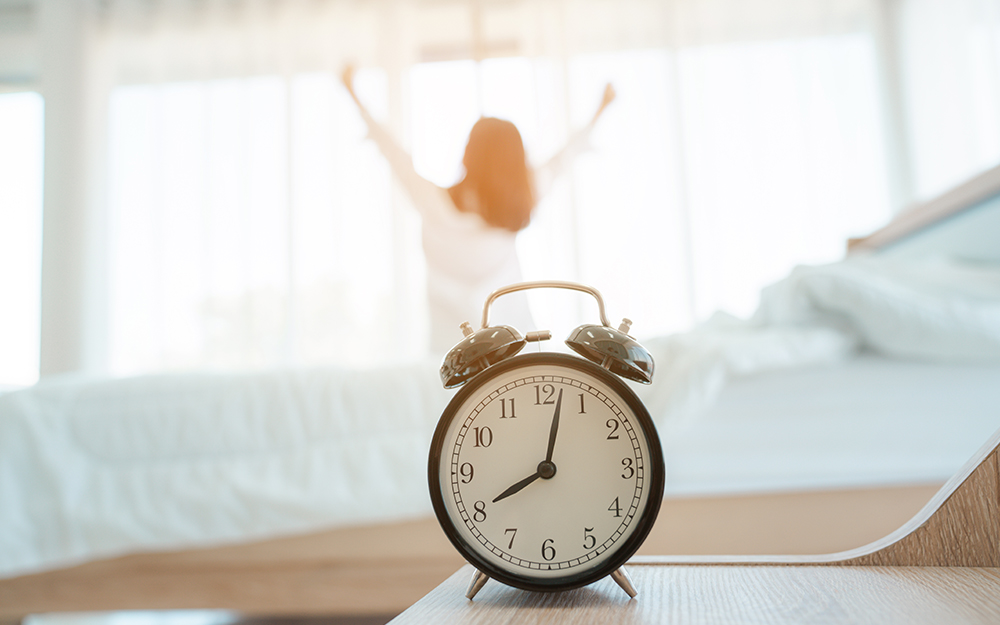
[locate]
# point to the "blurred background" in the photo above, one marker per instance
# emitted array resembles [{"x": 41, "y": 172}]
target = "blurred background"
[{"x": 185, "y": 184}]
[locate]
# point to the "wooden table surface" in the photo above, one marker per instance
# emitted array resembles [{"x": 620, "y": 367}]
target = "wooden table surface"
[
  {"x": 733, "y": 594},
  {"x": 942, "y": 566}
]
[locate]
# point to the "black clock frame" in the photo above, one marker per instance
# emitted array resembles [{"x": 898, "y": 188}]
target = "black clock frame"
[{"x": 644, "y": 521}]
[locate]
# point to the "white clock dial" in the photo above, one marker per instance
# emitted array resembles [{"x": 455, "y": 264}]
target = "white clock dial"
[{"x": 545, "y": 470}]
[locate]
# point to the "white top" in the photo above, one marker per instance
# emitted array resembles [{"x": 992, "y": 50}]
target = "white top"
[{"x": 467, "y": 259}]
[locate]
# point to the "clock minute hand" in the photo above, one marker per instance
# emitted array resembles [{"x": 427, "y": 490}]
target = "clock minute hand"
[
  {"x": 554, "y": 428},
  {"x": 516, "y": 487}
]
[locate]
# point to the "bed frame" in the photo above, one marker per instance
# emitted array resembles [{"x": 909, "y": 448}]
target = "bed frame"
[{"x": 381, "y": 570}]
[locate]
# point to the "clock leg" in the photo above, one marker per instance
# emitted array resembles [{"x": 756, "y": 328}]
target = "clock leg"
[
  {"x": 620, "y": 575},
  {"x": 479, "y": 580}
]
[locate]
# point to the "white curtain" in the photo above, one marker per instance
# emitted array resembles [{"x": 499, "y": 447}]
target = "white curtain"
[
  {"x": 950, "y": 75},
  {"x": 20, "y": 235},
  {"x": 250, "y": 224}
]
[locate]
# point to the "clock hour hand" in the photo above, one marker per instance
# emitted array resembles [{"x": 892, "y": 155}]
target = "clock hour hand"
[
  {"x": 554, "y": 428},
  {"x": 516, "y": 487}
]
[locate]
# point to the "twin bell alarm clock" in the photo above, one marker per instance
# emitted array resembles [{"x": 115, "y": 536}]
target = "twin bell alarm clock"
[{"x": 545, "y": 469}]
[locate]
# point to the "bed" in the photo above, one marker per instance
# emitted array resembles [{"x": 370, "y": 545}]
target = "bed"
[{"x": 820, "y": 424}]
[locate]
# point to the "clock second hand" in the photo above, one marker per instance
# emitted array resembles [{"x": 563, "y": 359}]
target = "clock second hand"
[{"x": 545, "y": 468}]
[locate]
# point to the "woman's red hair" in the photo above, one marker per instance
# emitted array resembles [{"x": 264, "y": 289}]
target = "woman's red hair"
[{"x": 497, "y": 170}]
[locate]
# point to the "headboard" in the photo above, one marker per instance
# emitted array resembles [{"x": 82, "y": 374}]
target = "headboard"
[{"x": 963, "y": 222}]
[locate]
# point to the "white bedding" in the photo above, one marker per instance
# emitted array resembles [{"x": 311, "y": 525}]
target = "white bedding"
[
  {"x": 930, "y": 311},
  {"x": 99, "y": 468}
]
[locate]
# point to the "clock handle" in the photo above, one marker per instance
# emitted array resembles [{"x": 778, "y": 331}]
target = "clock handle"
[
  {"x": 545, "y": 284},
  {"x": 609, "y": 347}
]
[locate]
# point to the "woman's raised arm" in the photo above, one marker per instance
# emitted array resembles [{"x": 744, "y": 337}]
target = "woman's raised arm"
[
  {"x": 579, "y": 142},
  {"x": 424, "y": 194}
]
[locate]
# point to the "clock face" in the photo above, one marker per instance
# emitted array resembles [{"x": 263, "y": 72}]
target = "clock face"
[{"x": 546, "y": 472}]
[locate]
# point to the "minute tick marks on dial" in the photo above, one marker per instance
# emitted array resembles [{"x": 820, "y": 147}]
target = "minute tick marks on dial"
[{"x": 573, "y": 528}]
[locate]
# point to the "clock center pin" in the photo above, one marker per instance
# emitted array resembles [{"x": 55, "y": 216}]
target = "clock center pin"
[{"x": 546, "y": 469}]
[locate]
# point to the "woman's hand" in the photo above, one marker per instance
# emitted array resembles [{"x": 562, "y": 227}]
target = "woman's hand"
[
  {"x": 607, "y": 98},
  {"x": 347, "y": 77}
]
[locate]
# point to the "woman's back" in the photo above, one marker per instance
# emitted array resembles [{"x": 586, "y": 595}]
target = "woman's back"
[{"x": 469, "y": 230}]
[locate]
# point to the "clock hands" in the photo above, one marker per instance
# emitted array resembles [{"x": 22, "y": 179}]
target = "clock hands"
[
  {"x": 516, "y": 487},
  {"x": 554, "y": 428},
  {"x": 545, "y": 468}
]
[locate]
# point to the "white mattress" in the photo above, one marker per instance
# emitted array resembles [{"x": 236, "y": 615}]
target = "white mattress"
[{"x": 868, "y": 421}]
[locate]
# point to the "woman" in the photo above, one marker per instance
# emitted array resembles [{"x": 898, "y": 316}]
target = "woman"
[{"x": 470, "y": 229}]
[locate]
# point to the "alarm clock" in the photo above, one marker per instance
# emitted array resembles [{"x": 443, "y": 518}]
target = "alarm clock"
[{"x": 545, "y": 470}]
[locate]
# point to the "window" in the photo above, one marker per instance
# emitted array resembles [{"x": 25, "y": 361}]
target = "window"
[
  {"x": 250, "y": 229},
  {"x": 253, "y": 226},
  {"x": 21, "y": 123}
]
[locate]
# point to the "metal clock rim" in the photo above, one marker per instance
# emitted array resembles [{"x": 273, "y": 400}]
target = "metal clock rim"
[{"x": 644, "y": 522}]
